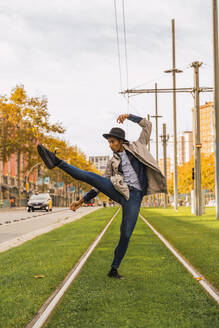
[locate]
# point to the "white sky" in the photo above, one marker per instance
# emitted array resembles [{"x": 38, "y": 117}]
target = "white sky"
[{"x": 67, "y": 51}]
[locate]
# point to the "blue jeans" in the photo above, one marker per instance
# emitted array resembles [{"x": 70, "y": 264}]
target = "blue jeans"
[
  {"x": 130, "y": 207},
  {"x": 130, "y": 211}
]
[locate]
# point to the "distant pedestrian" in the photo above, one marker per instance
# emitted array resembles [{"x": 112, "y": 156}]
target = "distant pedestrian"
[
  {"x": 12, "y": 201},
  {"x": 131, "y": 173}
]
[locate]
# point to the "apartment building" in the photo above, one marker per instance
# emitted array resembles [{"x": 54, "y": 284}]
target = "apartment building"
[
  {"x": 9, "y": 179},
  {"x": 100, "y": 162},
  {"x": 161, "y": 165},
  {"x": 184, "y": 148},
  {"x": 207, "y": 128}
]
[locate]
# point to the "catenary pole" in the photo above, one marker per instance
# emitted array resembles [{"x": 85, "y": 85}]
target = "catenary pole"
[
  {"x": 175, "y": 161},
  {"x": 149, "y": 148},
  {"x": 216, "y": 100},
  {"x": 174, "y": 117},
  {"x": 149, "y": 142},
  {"x": 156, "y": 120},
  {"x": 156, "y": 116},
  {"x": 197, "y": 145},
  {"x": 165, "y": 139}
]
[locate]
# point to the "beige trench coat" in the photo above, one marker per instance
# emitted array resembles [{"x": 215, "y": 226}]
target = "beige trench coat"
[{"x": 156, "y": 180}]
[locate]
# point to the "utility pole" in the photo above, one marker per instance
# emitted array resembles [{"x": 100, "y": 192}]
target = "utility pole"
[
  {"x": 164, "y": 139},
  {"x": 174, "y": 118},
  {"x": 156, "y": 116},
  {"x": 149, "y": 149},
  {"x": 149, "y": 142},
  {"x": 174, "y": 71},
  {"x": 216, "y": 100},
  {"x": 197, "y": 145}
]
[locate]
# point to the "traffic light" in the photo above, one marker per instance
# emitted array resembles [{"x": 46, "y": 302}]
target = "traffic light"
[{"x": 193, "y": 173}]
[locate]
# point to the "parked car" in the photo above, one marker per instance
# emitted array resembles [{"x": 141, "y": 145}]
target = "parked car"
[{"x": 39, "y": 202}]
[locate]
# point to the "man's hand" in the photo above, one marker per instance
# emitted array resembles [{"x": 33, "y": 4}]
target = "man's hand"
[
  {"x": 75, "y": 205},
  {"x": 121, "y": 118}
]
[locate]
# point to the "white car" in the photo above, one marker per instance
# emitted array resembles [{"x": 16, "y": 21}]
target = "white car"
[{"x": 40, "y": 202}]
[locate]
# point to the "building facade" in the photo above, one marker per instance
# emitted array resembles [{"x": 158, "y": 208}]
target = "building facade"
[
  {"x": 185, "y": 141},
  {"x": 100, "y": 162},
  {"x": 207, "y": 128},
  {"x": 188, "y": 145},
  {"x": 184, "y": 148},
  {"x": 161, "y": 165},
  {"x": 9, "y": 180}
]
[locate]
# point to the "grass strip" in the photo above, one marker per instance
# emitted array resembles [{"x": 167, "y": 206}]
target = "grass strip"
[
  {"x": 51, "y": 255},
  {"x": 157, "y": 291},
  {"x": 196, "y": 238}
]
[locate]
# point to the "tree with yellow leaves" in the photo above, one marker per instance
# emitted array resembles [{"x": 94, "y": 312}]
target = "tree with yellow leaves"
[
  {"x": 74, "y": 156},
  {"x": 23, "y": 121},
  {"x": 185, "y": 181}
]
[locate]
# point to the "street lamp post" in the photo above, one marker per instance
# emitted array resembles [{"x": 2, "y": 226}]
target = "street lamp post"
[{"x": 28, "y": 174}]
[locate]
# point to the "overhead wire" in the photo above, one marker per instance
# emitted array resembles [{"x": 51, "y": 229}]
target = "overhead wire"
[
  {"x": 118, "y": 46},
  {"x": 126, "y": 57},
  {"x": 150, "y": 81},
  {"x": 125, "y": 44},
  {"x": 158, "y": 78},
  {"x": 126, "y": 97}
]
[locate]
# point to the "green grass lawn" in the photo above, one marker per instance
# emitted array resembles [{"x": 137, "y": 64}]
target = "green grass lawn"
[
  {"x": 197, "y": 238},
  {"x": 157, "y": 291},
  {"x": 53, "y": 255}
]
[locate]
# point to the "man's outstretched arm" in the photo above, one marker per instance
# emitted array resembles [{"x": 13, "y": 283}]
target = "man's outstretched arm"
[
  {"x": 86, "y": 198},
  {"x": 143, "y": 122},
  {"x": 130, "y": 117}
]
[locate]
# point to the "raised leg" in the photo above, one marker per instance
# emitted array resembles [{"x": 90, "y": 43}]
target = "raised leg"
[{"x": 101, "y": 183}]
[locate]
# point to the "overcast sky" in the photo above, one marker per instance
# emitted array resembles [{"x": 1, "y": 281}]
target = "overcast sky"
[{"x": 67, "y": 51}]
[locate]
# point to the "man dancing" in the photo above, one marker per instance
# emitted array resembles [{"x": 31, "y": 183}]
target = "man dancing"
[{"x": 130, "y": 174}]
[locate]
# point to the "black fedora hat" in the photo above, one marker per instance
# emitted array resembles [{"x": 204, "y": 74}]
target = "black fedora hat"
[{"x": 116, "y": 133}]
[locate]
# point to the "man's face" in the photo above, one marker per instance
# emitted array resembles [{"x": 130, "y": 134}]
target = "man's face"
[{"x": 115, "y": 144}]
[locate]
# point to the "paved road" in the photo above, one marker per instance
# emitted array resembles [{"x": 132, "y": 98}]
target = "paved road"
[
  {"x": 12, "y": 215},
  {"x": 25, "y": 226}
]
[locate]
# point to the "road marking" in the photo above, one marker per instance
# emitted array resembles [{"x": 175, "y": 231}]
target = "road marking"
[
  {"x": 51, "y": 303},
  {"x": 210, "y": 289},
  {"x": 31, "y": 217}
]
